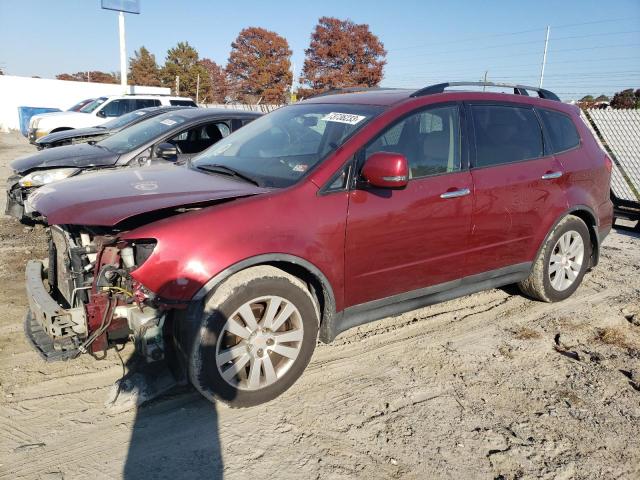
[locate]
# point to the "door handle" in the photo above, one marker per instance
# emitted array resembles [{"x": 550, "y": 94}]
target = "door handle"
[
  {"x": 551, "y": 175},
  {"x": 456, "y": 193}
]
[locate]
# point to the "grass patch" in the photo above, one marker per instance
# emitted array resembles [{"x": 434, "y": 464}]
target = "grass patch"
[
  {"x": 614, "y": 336},
  {"x": 526, "y": 333}
]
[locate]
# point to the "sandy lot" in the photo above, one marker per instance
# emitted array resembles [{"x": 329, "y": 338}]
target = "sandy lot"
[{"x": 488, "y": 386}]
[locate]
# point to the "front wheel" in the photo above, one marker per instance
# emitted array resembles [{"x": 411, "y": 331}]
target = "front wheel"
[
  {"x": 257, "y": 336},
  {"x": 562, "y": 262}
]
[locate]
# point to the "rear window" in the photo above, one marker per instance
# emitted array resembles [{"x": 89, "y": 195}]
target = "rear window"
[
  {"x": 506, "y": 134},
  {"x": 183, "y": 103},
  {"x": 561, "y": 130}
]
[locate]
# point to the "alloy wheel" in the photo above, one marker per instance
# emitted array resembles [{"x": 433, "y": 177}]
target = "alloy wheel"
[
  {"x": 566, "y": 260},
  {"x": 259, "y": 343}
]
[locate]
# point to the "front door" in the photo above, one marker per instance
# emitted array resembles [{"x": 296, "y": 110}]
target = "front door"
[{"x": 403, "y": 240}]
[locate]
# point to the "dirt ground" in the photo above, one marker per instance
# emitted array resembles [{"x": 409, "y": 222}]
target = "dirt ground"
[{"x": 489, "y": 386}]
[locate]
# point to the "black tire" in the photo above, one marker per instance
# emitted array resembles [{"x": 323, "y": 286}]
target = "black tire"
[
  {"x": 249, "y": 284},
  {"x": 538, "y": 285}
]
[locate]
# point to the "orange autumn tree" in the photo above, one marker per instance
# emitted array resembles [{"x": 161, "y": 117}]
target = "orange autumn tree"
[
  {"x": 218, "y": 79},
  {"x": 342, "y": 54},
  {"x": 259, "y": 66}
]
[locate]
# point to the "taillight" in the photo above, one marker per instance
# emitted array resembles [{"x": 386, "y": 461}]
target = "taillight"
[{"x": 608, "y": 163}]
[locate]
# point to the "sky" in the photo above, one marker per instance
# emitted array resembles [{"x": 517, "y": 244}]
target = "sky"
[{"x": 594, "y": 45}]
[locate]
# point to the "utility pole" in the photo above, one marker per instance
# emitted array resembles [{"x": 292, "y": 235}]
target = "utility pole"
[
  {"x": 123, "y": 54},
  {"x": 484, "y": 87},
  {"x": 544, "y": 56},
  {"x": 177, "y": 85},
  {"x": 198, "y": 89}
]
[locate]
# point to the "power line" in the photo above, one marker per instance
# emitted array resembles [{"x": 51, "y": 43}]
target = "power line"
[
  {"x": 506, "y": 34},
  {"x": 555, "y": 39}
]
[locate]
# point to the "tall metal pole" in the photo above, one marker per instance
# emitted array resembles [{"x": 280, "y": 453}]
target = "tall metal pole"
[
  {"x": 198, "y": 89},
  {"x": 123, "y": 54},
  {"x": 484, "y": 87},
  {"x": 544, "y": 56}
]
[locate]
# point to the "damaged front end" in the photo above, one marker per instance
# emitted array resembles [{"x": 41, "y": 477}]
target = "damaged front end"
[{"x": 83, "y": 299}]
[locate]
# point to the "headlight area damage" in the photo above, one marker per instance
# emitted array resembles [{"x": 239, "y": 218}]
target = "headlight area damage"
[{"x": 84, "y": 299}]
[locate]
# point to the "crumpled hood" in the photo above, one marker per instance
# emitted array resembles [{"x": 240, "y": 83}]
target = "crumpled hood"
[
  {"x": 81, "y": 156},
  {"x": 107, "y": 198},
  {"x": 73, "y": 133}
]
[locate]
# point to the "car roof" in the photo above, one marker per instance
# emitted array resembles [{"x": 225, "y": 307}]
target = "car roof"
[{"x": 197, "y": 113}]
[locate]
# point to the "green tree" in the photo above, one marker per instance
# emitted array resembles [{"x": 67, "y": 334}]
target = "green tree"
[
  {"x": 143, "y": 69},
  {"x": 182, "y": 61},
  {"x": 602, "y": 98}
]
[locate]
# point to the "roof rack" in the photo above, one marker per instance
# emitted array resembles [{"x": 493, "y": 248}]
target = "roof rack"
[{"x": 517, "y": 89}]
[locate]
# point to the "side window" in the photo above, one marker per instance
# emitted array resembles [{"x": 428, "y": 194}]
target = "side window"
[
  {"x": 115, "y": 108},
  {"x": 430, "y": 139},
  {"x": 561, "y": 129},
  {"x": 197, "y": 139},
  {"x": 145, "y": 103},
  {"x": 505, "y": 134}
]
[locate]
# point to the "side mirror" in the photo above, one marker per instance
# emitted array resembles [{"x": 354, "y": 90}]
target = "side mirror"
[
  {"x": 101, "y": 114},
  {"x": 167, "y": 151},
  {"x": 386, "y": 170}
]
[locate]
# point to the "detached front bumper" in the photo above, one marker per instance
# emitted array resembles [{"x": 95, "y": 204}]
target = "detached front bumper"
[{"x": 49, "y": 326}]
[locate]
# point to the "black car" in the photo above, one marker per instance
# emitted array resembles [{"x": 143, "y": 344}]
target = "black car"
[
  {"x": 93, "y": 134},
  {"x": 174, "y": 136}
]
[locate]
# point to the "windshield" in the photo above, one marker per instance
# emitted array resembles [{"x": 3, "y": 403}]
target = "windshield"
[
  {"x": 125, "y": 119},
  {"x": 91, "y": 106},
  {"x": 79, "y": 105},
  {"x": 277, "y": 149},
  {"x": 141, "y": 133}
]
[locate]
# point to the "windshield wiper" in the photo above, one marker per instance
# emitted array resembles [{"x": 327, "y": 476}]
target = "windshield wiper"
[{"x": 224, "y": 170}]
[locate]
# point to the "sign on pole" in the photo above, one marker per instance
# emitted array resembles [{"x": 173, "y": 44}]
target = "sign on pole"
[{"x": 127, "y": 6}]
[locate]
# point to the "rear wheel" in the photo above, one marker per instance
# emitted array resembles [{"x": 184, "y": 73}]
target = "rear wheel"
[
  {"x": 257, "y": 335},
  {"x": 562, "y": 262}
]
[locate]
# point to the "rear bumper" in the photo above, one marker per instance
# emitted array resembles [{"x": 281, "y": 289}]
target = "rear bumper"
[{"x": 65, "y": 327}]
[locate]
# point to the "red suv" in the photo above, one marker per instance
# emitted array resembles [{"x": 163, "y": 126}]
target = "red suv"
[{"x": 320, "y": 216}]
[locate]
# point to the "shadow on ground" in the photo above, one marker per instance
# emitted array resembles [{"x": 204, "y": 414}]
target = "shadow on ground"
[{"x": 175, "y": 437}]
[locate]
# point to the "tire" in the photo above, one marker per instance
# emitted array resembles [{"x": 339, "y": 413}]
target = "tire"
[
  {"x": 243, "y": 363},
  {"x": 555, "y": 279}
]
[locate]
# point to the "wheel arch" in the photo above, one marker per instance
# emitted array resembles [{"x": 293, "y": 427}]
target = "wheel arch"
[
  {"x": 588, "y": 216},
  {"x": 318, "y": 283}
]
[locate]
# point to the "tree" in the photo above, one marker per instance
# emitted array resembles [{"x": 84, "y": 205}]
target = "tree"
[
  {"x": 95, "y": 76},
  {"x": 218, "y": 80},
  {"x": 182, "y": 61},
  {"x": 259, "y": 66},
  {"x": 626, "y": 99},
  {"x": 143, "y": 69},
  {"x": 602, "y": 98},
  {"x": 342, "y": 54}
]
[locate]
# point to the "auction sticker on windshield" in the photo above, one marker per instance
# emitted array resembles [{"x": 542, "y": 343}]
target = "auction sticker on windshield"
[
  {"x": 168, "y": 122},
  {"x": 348, "y": 118}
]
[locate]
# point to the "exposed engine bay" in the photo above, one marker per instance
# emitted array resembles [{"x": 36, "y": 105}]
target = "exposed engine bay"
[{"x": 99, "y": 305}]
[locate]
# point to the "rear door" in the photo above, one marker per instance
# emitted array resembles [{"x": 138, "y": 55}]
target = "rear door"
[
  {"x": 403, "y": 240},
  {"x": 518, "y": 186}
]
